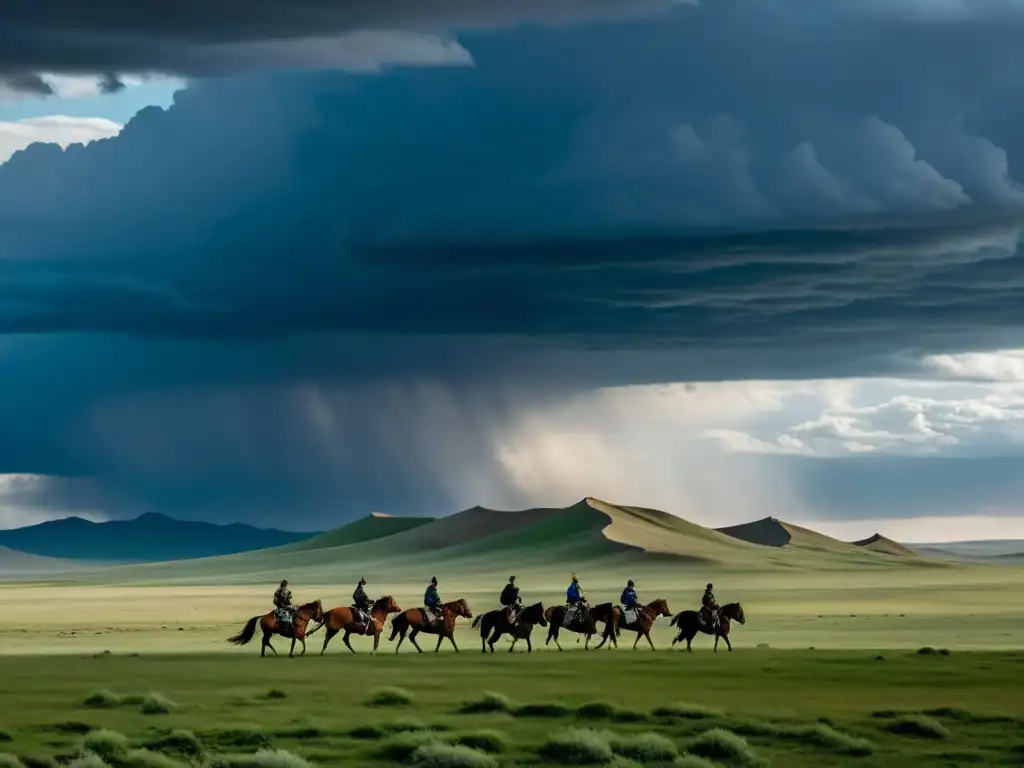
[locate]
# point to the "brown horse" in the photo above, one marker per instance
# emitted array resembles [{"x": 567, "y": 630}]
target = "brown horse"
[
  {"x": 496, "y": 622},
  {"x": 345, "y": 618},
  {"x": 271, "y": 626},
  {"x": 416, "y": 620},
  {"x": 605, "y": 612},
  {"x": 646, "y": 616},
  {"x": 689, "y": 624}
]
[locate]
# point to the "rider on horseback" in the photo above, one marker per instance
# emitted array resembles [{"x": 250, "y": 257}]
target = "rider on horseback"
[
  {"x": 630, "y": 601},
  {"x": 709, "y": 606},
  {"x": 510, "y": 599},
  {"x": 431, "y": 600},
  {"x": 284, "y": 610},
  {"x": 574, "y": 600},
  {"x": 361, "y": 602}
]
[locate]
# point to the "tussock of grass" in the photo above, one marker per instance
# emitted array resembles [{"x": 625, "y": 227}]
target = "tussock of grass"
[
  {"x": 179, "y": 742},
  {"x": 451, "y": 756},
  {"x": 9, "y": 761},
  {"x": 253, "y": 738},
  {"x": 488, "y": 703},
  {"x": 484, "y": 740},
  {"x": 720, "y": 744},
  {"x": 543, "y": 709},
  {"x": 406, "y": 725},
  {"x": 143, "y": 758},
  {"x": 106, "y": 744},
  {"x": 87, "y": 760},
  {"x": 6, "y": 736},
  {"x": 401, "y": 746},
  {"x": 157, "y": 704},
  {"x": 630, "y": 716},
  {"x": 301, "y": 732},
  {"x": 578, "y": 746},
  {"x": 275, "y": 693},
  {"x": 596, "y": 710},
  {"x": 390, "y": 697},
  {"x": 686, "y": 760},
  {"x": 368, "y": 732},
  {"x": 277, "y": 758},
  {"x": 38, "y": 761},
  {"x": 71, "y": 726},
  {"x": 918, "y": 726},
  {"x": 683, "y": 711},
  {"x": 646, "y": 748},
  {"x": 102, "y": 699},
  {"x": 826, "y": 736}
]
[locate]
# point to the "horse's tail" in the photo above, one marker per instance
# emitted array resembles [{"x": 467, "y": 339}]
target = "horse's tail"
[
  {"x": 319, "y": 626},
  {"x": 398, "y": 624},
  {"x": 247, "y": 632},
  {"x": 677, "y": 620},
  {"x": 476, "y": 621}
]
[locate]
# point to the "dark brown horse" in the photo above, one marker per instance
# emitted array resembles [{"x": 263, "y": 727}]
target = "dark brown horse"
[
  {"x": 644, "y": 621},
  {"x": 345, "y": 618},
  {"x": 605, "y": 612},
  {"x": 496, "y": 622},
  {"x": 689, "y": 624},
  {"x": 271, "y": 626},
  {"x": 416, "y": 620}
]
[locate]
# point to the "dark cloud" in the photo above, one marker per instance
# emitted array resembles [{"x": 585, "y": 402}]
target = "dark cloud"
[
  {"x": 292, "y": 289},
  {"x": 26, "y": 82}
]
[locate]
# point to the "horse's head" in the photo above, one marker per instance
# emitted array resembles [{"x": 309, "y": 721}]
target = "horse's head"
[
  {"x": 314, "y": 609},
  {"x": 460, "y": 608},
  {"x": 385, "y": 605},
  {"x": 660, "y": 607},
  {"x": 534, "y": 614},
  {"x": 735, "y": 611}
]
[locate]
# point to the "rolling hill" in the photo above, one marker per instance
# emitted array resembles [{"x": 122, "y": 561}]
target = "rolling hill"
[
  {"x": 15, "y": 564},
  {"x": 150, "y": 537},
  {"x": 876, "y": 542},
  {"x": 484, "y": 545}
]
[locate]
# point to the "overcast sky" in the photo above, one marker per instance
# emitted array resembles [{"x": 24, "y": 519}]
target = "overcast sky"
[{"x": 729, "y": 259}]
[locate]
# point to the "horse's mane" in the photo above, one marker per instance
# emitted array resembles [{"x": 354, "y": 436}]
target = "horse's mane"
[{"x": 384, "y": 600}]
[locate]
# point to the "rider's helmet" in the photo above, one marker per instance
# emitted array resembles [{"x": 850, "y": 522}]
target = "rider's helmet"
[
  {"x": 284, "y": 582},
  {"x": 574, "y": 578},
  {"x": 511, "y": 579},
  {"x": 629, "y": 583},
  {"x": 433, "y": 580},
  {"x": 362, "y": 580},
  {"x": 710, "y": 587}
]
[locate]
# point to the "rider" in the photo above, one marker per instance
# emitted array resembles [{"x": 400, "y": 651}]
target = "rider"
[
  {"x": 710, "y": 605},
  {"x": 573, "y": 597},
  {"x": 361, "y": 602},
  {"x": 431, "y": 600},
  {"x": 510, "y": 599},
  {"x": 629, "y": 599},
  {"x": 285, "y": 611}
]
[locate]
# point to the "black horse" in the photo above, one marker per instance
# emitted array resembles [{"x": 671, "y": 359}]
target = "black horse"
[
  {"x": 496, "y": 624},
  {"x": 689, "y": 624}
]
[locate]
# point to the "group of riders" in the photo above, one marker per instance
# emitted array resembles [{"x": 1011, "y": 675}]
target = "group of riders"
[{"x": 576, "y": 604}]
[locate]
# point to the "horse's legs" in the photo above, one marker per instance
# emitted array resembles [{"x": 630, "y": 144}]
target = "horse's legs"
[
  {"x": 726, "y": 638},
  {"x": 344, "y": 639},
  {"x": 412, "y": 639},
  {"x": 493, "y": 638},
  {"x": 331, "y": 632},
  {"x": 586, "y": 645},
  {"x": 267, "y": 644},
  {"x": 529, "y": 645},
  {"x": 291, "y": 653},
  {"x": 303, "y": 641},
  {"x": 514, "y": 641},
  {"x": 716, "y": 642},
  {"x": 637, "y": 640},
  {"x": 647, "y": 634},
  {"x": 376, "y": 642},
  {"x": 451, "y": 639}
]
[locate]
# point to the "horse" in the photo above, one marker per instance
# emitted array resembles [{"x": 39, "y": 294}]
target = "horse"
[
  {"x": 645, "y": 618},
  {"x": 271, "y": 626},
  {"x": 345, "y": 618},
  {"x": 689, "y": 624},
  {"x": 416, "y": 619},
  {"x": 497, "y": 621},
  {"x": 605, "y": 612}
]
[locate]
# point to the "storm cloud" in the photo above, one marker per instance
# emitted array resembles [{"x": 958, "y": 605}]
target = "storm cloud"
[{"x": 314, "y": 289}]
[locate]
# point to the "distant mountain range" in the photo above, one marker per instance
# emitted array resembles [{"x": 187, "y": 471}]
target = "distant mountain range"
[{"x": 148, "y": 538}]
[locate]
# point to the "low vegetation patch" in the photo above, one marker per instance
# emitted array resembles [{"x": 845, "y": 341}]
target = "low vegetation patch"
[
  {"x": 544, "y": 709},
  {"x": 143, "y": 758},
  {"x": 488, "y": 703},
  {"x": 596, "y": 710},
  {"x": 106, "y": 744},
  {"x": 71, "y": 727},
  {"x": 38, "y": 761},
  {"x": 682, "y": 711},
  {"x": 275, "y": 693},
  {"x": 102, "y": 699},
  {"x": 9, "y": 761},
  {"x": 720, "y": 744},
  {"x": 630, "y": 716},
  {"x": 390, "y": 697},
  {"x": 277, "y": 758},
  {"x": 828, "y": 737},
  {"x": 401, "y": 746},
  {"x": 918, "y": 726},
  {"x": 686, "y": 760},
  {"x": 368, "y": 732},
  {"x": 157, "y": 704},
  {"x": 6, "y": 735},
  {"x": 406, "y": 725},
  {"x": 252, "y": 738},
  {"x": 578, "y": 746},
  {"x": 451, "y": 756},
  {"x": 179, "y": 742},
  {"x": 484, "y": 740},
  {"x": 646, "y": 748},
  {"x": 87, "y": 760}
]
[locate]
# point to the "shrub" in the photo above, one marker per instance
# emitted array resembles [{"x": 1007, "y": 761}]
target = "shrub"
[
  {"x": 368, "y": 732},
  {"x": 646, "y": 748},
  {"x": 826, "y": 736},
  {"x": 578, "y": 746},
  {"x": 401, "y": 746},
  {"x": 38, "y": 761},
  {"x": 102, "y": 699},
  {"x": 485, "y": 741},
  {"x": 489, "y": 702},
  {"x": 687, "y": 760},
  {"x": 142, "y": 758},
  {"x": 253, "y": 738},
  {"x": 157, "y": 704},
  {"x": 406, "y": 725},
  {"x": 87, "y": 760},
  {"x": 277, "y": 758},
  {"x": 451, "y": 756},
  {"x": 596, "y": 710},
  {"x": 276, "y": 693},
  {"x": 720, "y": 744},
  {"x": 106, "y": 744},
  {"x": 543, "y": 709},
  {"x": 630, "y": 716},
  {"x": 9, "y": 761},
  {"x": 180, "y": 742},
  {"x": 6, "y": 736},
  {"x": 390, "y": 697},
  {"x": 71, "y": 726},
  {"x": 682, "y": 711},
  {"x": 918, "y": 726}
]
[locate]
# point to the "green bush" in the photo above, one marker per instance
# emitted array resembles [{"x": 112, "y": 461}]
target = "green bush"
[
  {"x": 390, "y": 697},
  {"x": 488, "y": 703},
  {"x": 646, "y": 748},
  {"x": 451, "y": 756},
  {"x": 106, "y": 744},
  {"x": 179, "y": 742},
  {"x": 720, "y": 744},
  {"x": 918, "y": 726},
  {"x": 485, "y": 741},
  {"x": 578, "y": 746},
  {"x": 102, "y": 699},
  {"x": 156, "y": 704}
]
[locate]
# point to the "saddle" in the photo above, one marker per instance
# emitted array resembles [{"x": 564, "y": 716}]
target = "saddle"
[
  {"x": 707, "y": 619},
  {"x": 363, "y": 617},
  {"x": 574, "y": 615},
  {"x": 630, "y": 616},
  {"x": 284, "y": 615},
  {"x": 431, "y": 615}
]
